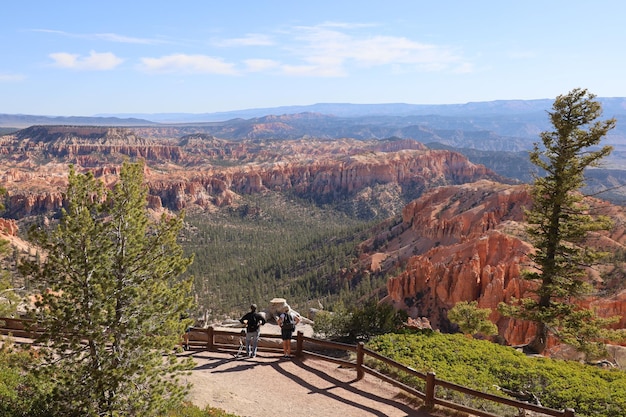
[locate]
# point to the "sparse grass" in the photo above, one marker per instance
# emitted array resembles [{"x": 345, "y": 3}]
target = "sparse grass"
[{"x": 190, "y": 410}]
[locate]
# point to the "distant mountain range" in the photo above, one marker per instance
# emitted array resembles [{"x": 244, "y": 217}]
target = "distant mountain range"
[
  {"x": 612, "y": 106},
  {"x": 509, "y": 118},
  {"x": 497, "y": 134}
]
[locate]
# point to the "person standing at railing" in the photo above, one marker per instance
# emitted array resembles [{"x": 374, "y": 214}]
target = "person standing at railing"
[
  {"x": 253, "y": 322},
  {"x": 287, "y": 322}
]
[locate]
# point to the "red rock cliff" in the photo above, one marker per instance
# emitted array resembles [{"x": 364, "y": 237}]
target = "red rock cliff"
[
  {"x": 464, "y": 243},
  {"x": 8, "y": 227},
  {"x": 200, "y": 170}
]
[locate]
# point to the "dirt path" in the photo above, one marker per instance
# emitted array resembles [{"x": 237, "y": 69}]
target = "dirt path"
[{"x": 270, "y": 385}]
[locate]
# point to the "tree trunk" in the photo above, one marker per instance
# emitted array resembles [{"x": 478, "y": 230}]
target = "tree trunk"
[{"x": 539, "y": 343}]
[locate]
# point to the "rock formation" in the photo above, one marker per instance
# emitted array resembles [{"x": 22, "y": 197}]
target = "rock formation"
[
  {"x": 8, "y": 227},
  {"x": 461, "y": 240},
  {"x": 198, "y": 170},
  {"x": 466, "y": 243}
]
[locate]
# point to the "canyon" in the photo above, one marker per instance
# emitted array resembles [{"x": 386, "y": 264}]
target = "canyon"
[
  {"x": 452, "y": 228},
  {"x": 467, "y": 243},
  {"x": 202, "y": 172}
]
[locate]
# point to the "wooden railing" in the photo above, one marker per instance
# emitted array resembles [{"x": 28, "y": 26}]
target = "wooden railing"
[
  {"x": 18, "y": 327},
  {"x": 308, "y": 346},
  {"x": 229, "y": 340}
]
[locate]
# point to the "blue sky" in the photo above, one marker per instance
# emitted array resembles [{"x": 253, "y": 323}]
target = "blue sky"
[{"x": 80, "y": 58}]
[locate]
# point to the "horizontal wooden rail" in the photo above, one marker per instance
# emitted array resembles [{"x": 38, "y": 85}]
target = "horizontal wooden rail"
[
  {"x": 19, "y": 327},
  {"x": 431, "y": 381},
  {"x": 395, "y": 383},
  {"x": 212, "y": 339},
  {"x": 397, "y": 365},
  {"x": 340, "y": 362},
  {"x": 329, "y": 344}
]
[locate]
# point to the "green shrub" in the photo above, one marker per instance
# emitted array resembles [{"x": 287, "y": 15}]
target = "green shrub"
[
  {"x": 360, "y": 323},
  {"x": 25, "y": 394},
  {"x": 471, "y": 319},
  {"x": 333, "y": 325},
  {"x": 487, "y": 367},
  {"x": 375, "y": 319},
  {"x": 22, "y": 393}
]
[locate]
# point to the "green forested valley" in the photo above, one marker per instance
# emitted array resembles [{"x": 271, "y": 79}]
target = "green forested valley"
[{"x": 274, "y": 246}]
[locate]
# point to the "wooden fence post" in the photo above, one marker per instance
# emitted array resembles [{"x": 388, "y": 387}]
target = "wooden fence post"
[
  {"x": 299, "y": 344},
  {"x": 430, "y": 390},
  {"x": 568, "y": 412},
  {"x": 209, "y": 343},
  {"x": 360, "y": 373}
]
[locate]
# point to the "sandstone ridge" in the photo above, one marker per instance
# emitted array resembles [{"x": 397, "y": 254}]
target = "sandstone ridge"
[
  {"x": 466, "y": 243},
  {"x": 204, "y": 172}
]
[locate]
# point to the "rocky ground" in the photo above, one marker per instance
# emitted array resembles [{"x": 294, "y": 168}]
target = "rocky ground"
[{"x": 270, "y": 385}]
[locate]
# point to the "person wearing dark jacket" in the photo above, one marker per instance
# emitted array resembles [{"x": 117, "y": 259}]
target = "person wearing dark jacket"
[{"x": 253, "y": 322}]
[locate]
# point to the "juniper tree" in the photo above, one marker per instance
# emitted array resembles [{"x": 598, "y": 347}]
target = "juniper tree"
[
  {"x": 112, "y": 299},
  {"x": 559, "y": 220},
  {"x": 471, "y": 319}
]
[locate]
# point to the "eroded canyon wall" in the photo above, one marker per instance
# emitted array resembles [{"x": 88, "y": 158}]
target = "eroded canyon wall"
[
  {"x": 466, "y": 243},
  {"x": 205, "y": 172}
]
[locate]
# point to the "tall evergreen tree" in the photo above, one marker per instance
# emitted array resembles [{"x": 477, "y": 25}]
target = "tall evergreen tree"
[
  {"x": 9, "y": 299},
  {"x": 559, "y": 219},
  {"x": 112, "y": 300}
]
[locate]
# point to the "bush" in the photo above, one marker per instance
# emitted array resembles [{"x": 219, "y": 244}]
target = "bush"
[
  {"x": 471, "y": 319},
  {"x": 375, "y": 319},
  {"x": 333, "y": 325},
  {"x": 361, "y": 323},
  {"x": 489, "y": 367},
  {"x": 22, "y": 393}
]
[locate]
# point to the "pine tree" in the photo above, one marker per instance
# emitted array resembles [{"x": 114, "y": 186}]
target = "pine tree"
[
  {"x": 471, "y": 319},
  {"x": 559, "y": 219},
  {"x": 112, "y": 300},
  {"x": 9, "y": 299}
]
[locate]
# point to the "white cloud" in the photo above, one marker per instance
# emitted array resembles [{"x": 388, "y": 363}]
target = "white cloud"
[
  {"x": 113, "y": 37},
  {"x": 94, "y": 62},
  {"x": 313, "y": 71},
  {"x": 332, "y": 51},
  {"x": 464, "y": 68},
  {"x": 258, "y": 65},
  {"x": 9, "y": 78},
  {"x": 318, "y": 66},
  {"x": 335, "y": 49},
  {"x": 110, "y": 37},
  {"x": 383, "y": 50},
  {"x": 200, "y": 64}
]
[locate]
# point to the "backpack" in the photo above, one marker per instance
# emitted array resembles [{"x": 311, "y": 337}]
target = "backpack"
[
  {"x": 288, "y": 323},
  {"x": 253, "y": 323}
]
